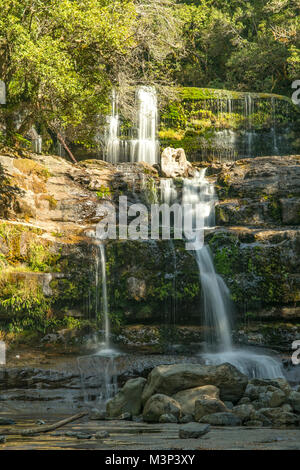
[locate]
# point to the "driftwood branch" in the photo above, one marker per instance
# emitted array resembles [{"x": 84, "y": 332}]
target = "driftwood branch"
[
  {"x": 42, "y": 429},
  {"x": 62, "y": 141}
]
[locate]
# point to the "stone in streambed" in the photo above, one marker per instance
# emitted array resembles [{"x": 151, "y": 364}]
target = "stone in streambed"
[
  {"x": 294, "y": 401},
  {"x": 128, "y": 399},
  {"x": 188, "y": 398},
  {"x": 168, "y": 418},
  {"x": 222, "y": 419},
  {"x": 6, "y": 422},
  {"x": 207, "y": 406},
  {"x": 170, "y": 379},
  {"x": 244, "y": 412},
  {"x": 193, "y": 430},
  {"x": 186, "y": 419},
  {"x": 97, "y": 415},
  {"x": 159, "y": 405}
]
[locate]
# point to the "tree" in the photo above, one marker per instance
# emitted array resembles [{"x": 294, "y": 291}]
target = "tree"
[{"x": 56, "y": 58}]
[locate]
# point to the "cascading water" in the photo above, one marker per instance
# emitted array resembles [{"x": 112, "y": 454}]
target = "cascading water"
[
  {"x": 112, "y": 148},
  {"x": 104, "y": 295},
  {"x": 199, "y": 193},
  {"x": 145, "y": 149}
]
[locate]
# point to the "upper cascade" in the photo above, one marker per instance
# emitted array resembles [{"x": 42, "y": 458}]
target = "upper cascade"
[{"x": 144, "y": 148}]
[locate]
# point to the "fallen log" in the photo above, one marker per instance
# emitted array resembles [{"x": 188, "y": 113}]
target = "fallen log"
[{"x": 41, "y": 429}]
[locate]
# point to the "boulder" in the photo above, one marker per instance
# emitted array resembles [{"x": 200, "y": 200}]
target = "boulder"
[
  {"x": 187, "y": 398},
  {"x": 186, "y": 419},
  {"x": 244, "y": 412},
  {"x": 254, "y": 424},
  {"x": 294, "y": 401},
  {"x": 128, "y": 399},
  {"x": 266, "y": 396},
  {"x": 96, "y": 414},
  {"x": 159, "y": 405},
  {"x": 170, "y": 379},
  {"x": 222, "y": 419},
  {"x": 278, "y": 417},
  {"x": 207, "y": 406},
  {"x": 193, "y": 430},
  {"x": 174, "y": 164},
  {"x": 168, "y": 418}
]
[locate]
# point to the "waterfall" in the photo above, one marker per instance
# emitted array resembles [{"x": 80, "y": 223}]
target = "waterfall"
[
  {"x": 168, "y": 191},
  {"x": 101, "y": 269},
  {"x": 145, "y": 149},
  {"x": 249, "y": 110},
  {"x": 200, "y": 193},
  {"x": 112, "y": 147}
]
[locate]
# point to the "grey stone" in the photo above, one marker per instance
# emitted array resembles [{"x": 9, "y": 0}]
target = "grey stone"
[
  {"x": 188, "y": 398},
  {"x": 2, "y": 439},
  {"x": 159, "y": 405},
  {"x": 168, "y": 418},
  {"x": 222, "y": 419},
  {"x": 229, "y": 405},
  {"x": 97, "y": 415},
  {"x": 207, "y": 406},
  {"x": 244, "y": 412},
  {"x": 186, "y": 419},
  {"x": 6, "y": 422},
  {"x": 193, "y": 430},
  {"x": 128, "y": 399},
  {"x": 255, "y": 423},
  {"x": 170, "y": 379},
  {"x": 294, "y": 401}
]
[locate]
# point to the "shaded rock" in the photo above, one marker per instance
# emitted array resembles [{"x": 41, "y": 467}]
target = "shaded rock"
[
  {"x": 6, "y": 422},
  {"x": 278, "y": 417},
  {"x": 287, "y": 407},
  {"x": 244, "y": 401},
  {"x": 229, "y": 405},
  {"x": 102, "y": 435},
  {"x": 168, "y": 418},
  {"x": 97, "y": 415},
  {"x": 244, "y": 412},
  {"x": 78, "y": 435},
  {"x": 294, "y": 401},
  {"x": 222, "y": 419},
  {"x": 40, "y": 422},
  {"x": 159, "y": 405},
  {"x": 2, "y": 439},
  {"x": 170, "y": 379},
  {"x": 125, "y": 417},
  {"x": 187, "y": 398},
  {"x": 254, "y": 424},
  {"x": 207, "y": 406},
  {"x": 193, "y": 431},
  {"x": 174, "y": 164},
  {"x": 266, "y": 396},
  {"x": 128, "y": 399},
  {"x": 186, "y": 419}
]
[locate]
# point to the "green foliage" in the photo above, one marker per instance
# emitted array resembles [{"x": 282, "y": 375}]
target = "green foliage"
[{"x": 104, "y": 192}]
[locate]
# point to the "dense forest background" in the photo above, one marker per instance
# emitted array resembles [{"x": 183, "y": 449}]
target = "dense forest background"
[{"x": 61, "y": 58}]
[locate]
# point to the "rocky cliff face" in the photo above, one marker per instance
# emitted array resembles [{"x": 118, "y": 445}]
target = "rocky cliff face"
[{"x": 49, "y": 209}]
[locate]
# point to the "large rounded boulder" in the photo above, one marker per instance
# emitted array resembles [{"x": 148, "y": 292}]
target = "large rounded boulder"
[
  {"x": 128, "y": 400},
  {"x": 188, "y": 398},
  {"x": 171, "y": 379},
  {"x": 159, "y": 405}
]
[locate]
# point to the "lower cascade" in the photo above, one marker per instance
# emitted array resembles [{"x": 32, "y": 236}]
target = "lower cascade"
[{"x": 217, "y": 306}]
